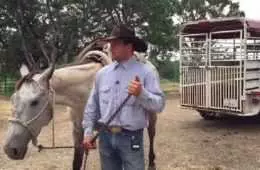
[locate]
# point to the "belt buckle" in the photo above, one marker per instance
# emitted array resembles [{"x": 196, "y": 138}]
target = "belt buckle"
[{"x": 115, "y": 129}]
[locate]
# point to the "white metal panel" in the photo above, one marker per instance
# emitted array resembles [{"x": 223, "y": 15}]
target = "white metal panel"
[
  {"x": 193, "y": 87},
  {"x": 208, "y": 84},
  {"x": 252, "y": 84},
  {"x": 224, "y": 84},
  {"x": 253, "y": 64},
  {"x": 254, "y": 74}
]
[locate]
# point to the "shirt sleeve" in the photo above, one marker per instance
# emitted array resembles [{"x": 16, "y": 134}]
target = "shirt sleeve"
[
  {"x": 91, "y": 111},
  {"x": 152, "y": 98}
]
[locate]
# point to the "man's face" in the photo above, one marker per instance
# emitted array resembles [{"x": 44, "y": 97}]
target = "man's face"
[{"x": 119, "y": 49}]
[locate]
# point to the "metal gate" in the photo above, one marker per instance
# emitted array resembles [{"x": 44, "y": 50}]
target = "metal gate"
[{"x": 211, "y": 71}]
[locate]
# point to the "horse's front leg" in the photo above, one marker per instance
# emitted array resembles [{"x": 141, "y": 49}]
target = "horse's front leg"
[
  {"x": 151, "y": 133},
  {"x": 78, "y": 151}
]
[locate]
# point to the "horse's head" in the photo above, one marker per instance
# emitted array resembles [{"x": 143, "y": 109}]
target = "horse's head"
[{"x": 31, "y": 110}]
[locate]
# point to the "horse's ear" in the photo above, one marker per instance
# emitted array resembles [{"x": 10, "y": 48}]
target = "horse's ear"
[{"x": 24, "y": 70}]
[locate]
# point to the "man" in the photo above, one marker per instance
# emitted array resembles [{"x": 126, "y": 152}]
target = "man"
[{"x": 121, "y": 144}]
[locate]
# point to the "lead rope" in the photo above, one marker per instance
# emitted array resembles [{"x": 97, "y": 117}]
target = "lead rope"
[
  {"x": 85, "y": 160},
  {"x": 53, "y": 116},
  {"x": 53, "y": 132}
]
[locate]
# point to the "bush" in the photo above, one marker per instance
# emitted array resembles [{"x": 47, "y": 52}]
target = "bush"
[{"x": 169, "y": 70}]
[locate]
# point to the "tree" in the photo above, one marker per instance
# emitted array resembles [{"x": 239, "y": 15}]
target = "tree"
[
  {"x": 36, "y": 29},
  {"x": 205, "y": 9}
]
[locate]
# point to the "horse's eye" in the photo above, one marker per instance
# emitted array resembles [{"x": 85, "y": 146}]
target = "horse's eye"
[{"x": 34, "y": 103}]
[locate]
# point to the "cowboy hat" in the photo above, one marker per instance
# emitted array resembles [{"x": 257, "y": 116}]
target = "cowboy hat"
[{"x": 124, "y": 33}]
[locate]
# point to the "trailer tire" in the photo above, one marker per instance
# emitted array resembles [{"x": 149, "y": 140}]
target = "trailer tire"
[{"x": 208, "y": 115}]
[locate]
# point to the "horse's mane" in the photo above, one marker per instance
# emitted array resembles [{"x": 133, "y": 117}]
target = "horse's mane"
[{"x": 28, "y": 78}]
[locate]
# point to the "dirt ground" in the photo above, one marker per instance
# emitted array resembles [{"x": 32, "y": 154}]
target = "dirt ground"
[{"x": 184, "y": 142}]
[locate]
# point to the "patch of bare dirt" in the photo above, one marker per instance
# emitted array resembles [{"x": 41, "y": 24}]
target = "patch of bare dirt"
[{"x": 184, "y": 142}]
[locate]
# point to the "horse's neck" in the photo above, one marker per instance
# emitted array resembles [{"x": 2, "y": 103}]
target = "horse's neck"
[{"x": 73, "y": 84}]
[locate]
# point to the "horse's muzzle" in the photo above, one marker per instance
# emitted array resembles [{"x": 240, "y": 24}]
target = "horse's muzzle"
[{"x": 15, "y": 153}]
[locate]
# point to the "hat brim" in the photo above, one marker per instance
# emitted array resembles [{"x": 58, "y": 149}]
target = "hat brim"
[{"x": 139, "y": 44}]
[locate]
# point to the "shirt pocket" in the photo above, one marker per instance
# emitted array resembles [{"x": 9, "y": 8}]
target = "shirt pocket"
[{"x": 105, "y": 94}]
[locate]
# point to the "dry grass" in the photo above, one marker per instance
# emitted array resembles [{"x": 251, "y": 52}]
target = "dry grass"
[
  {"x": 5, "y": 108},
  {"x": 169, "y": 86}
]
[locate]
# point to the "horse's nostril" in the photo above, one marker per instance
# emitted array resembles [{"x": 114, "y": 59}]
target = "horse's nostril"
[{"x": 15, "y": 151}]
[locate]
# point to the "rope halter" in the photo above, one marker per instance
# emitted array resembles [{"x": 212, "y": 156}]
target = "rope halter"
[{"x": 28, "y": 125}]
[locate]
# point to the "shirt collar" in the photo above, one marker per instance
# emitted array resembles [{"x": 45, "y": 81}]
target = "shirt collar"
[{"x": 124, "y": 64}]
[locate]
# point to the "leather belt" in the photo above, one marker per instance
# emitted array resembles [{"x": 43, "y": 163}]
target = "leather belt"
[
  {"x": 114, "y": 129},
  {"x": 117, "y": 129}
]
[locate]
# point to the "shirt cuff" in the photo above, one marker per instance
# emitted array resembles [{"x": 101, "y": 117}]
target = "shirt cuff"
[
  {"x": 144, "y": 95},
  {"x": 88, "y": 132}
]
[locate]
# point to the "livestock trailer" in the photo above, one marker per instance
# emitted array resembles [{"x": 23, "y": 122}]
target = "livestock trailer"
[{"x": 220, "y": 66}]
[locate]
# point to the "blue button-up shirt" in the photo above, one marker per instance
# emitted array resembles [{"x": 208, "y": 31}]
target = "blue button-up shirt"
[{"x": 111, "y": 88}]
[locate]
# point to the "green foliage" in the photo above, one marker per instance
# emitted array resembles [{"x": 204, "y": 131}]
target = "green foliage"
[
  {"x": 7, "y": 83},
  {"x": 69, "y": 25},
  {"x": 201, "y": 9},
  {"x": 169, "y": 70}
]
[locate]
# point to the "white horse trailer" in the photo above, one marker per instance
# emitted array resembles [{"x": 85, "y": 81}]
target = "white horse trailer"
[{"x": 220, "y": 67}]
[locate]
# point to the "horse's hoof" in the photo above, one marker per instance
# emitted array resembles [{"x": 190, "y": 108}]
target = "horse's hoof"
[{"x": 152, "y": 167}]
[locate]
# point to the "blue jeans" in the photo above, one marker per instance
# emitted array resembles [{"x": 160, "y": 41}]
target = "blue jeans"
[{"x": 116, "y": 151}]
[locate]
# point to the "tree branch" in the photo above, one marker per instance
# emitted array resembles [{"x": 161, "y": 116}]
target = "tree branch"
[
  {"x": 124, "y": 14},
  {"x": 118, "y": 15},
  {"x": 55, "y": 32},
  {"x": 112, "y": 16},
  {"x": 19, "y": 21}
]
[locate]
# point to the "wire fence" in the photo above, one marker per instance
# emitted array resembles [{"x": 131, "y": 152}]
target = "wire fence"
[{"x": 7, "y": 84}]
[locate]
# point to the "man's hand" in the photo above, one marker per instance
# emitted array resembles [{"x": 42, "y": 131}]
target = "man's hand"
[
  {"x": 88, "y": 143},
  {"x": 135, "y": 87}
]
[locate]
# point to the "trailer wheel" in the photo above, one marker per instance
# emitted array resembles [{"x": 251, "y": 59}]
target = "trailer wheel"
[{"x": 209, "y": 115}]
